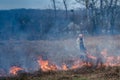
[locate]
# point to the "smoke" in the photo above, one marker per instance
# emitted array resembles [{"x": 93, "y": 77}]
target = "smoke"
[
  {"x": 15, "y": 53},
  {"x": 110, "y": 43},
  {"x": 25, "y": 53}
]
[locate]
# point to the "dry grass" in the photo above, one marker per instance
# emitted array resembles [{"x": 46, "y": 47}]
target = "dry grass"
[
  {"x": 63, "y": 50},
  {"x": 85, "y": 73}
]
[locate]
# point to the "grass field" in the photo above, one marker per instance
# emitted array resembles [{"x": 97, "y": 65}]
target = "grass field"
[{"x": 59, "y": 51}]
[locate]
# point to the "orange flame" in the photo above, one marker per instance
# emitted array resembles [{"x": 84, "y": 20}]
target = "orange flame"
[
  {"x": 45, "y": 65},
  {"x": 91, "y": 57},
  {"x": 104, "y": 52},
  {"x": 64, "y": 67},
  {"x": 110, "y": 60},
  {"x": 77, "y": 64},
  {"x": 14, "y": 70}
]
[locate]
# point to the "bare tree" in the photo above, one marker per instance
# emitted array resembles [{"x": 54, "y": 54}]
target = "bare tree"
[
  {"x": 86, "y": 3},
  {"x": 101, "y": 12},
  {"x": 54, "y": 6},
  {"x": 66, "y": 7},
  {"x": 113, "y": 16},
  {"x": 111, "y": 9},
  {"x": 91, "y": 13}
]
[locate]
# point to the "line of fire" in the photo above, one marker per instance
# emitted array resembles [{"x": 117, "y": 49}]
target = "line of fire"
[{"x": 103, "y": 59}]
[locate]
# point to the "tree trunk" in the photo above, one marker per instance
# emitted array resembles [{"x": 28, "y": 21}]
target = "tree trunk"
[
  {"x": 66, "y": 9},
  {"x": 113, "y": 16},
  {"x": 54, "y": 5}
]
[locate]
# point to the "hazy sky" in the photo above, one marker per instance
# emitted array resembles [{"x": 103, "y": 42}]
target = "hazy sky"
[{"x": 36, "y": 4}]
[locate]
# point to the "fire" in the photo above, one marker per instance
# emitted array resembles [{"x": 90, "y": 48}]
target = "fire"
[
  {"x": 45, "y": 65},
  {"x": 77, "y": 64},
  {"x": 91, "y": 57},
  {"x": 64, "y": 67},
  {"x": 104, "y": 53},
  {"x": 14, "y": 70},
  {"x": 110, "y": 60}
]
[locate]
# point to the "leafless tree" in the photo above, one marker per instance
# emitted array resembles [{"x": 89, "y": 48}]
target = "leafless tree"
[
  {"x": 102, "y": 13},
  {"x": 54, "y": 6},
  {"x": 111, "y": 12},
  {"x": 86, "y": 3},
  {"x": 91, "y": 12},
  {"x": 66, "y": 7}
]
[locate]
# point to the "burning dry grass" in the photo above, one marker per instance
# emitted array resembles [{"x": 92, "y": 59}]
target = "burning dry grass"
[
  {"x": 84, "y": 73},
  {"x": 66, "y": 52},
  {"x": 14, "y": 70}
]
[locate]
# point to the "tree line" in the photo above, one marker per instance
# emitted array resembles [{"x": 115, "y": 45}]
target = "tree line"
[
  {"x": 95, "y": 18},
  {"x": 101, "y": 15}
]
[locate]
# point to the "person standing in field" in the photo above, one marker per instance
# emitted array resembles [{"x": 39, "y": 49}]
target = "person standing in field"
[
  {"x": 83, "y": 50},
  {"x": 81, "y": 43},
  {"x": 85, "y": 56}
]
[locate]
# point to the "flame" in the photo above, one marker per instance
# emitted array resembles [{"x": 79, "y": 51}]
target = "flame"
[
  {"x": 14, "y": 70},
  {"x": 91, "y": 57},
  {"x": 104, "y": 53},
  {"x": 45, "y": 65},
  {"x": 77, "y": 64},
  {"x": 64, "y": 67},
  {"x": 110, "y": 60}
]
